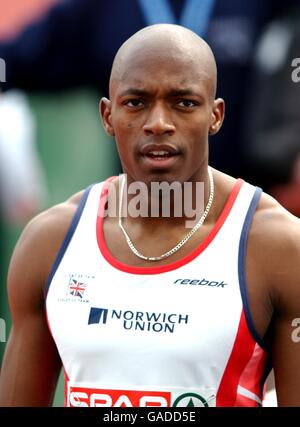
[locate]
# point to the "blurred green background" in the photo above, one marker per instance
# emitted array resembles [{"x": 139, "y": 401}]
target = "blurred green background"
[{"x": 75, "y": 152}]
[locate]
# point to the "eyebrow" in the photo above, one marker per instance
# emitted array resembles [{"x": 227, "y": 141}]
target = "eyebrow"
[
  {"x": 183, "y": 92},
  {"x": 172, "y": 93},
  {"x": 134, "y": 91}
]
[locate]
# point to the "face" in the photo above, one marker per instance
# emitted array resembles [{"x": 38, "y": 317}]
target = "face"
[{"x": 161, "y": 112}]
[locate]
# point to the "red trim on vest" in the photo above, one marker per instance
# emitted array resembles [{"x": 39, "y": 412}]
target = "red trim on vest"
[
  {"x": 66, "y": 378},
  {"x": 66, "y": 388},
  {"x": 243, "y": 401},
  {"x": 176, "y": 264},
  {"x": 239, "y": 362},
  {"x": 253, "y": 373}
]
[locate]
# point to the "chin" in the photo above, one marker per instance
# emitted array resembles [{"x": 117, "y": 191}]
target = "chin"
[{"x": 162, "y": 176}]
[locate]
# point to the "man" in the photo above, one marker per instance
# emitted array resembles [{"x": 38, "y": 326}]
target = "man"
[{"x": 163, "y": 315}]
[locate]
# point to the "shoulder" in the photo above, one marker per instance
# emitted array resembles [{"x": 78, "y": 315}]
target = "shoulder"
[
  {"x": 274, "y": 241},
  {"x": 274, "y": 226},
  {"x": 38, "y": 246},
  {"x": 51, "y": 224}
]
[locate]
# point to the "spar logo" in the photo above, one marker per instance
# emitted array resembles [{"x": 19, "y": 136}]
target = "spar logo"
[
  {"x": 89, "y": 397},
  {"x": 138, "y": 320},
  {"x": 191, "y": 400}
]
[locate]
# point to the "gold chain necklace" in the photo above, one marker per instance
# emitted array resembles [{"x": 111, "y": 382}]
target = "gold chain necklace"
[{"x": 184, "y": 240}]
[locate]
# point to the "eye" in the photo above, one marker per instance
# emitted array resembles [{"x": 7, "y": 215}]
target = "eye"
[
  {"x": 187, "y": 103},
  {"x": 134, "y": 103}
]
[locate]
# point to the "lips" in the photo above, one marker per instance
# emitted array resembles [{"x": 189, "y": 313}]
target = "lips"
[
  {"x": 159, "y": 150},
  {"x": 159, "y": 155}
]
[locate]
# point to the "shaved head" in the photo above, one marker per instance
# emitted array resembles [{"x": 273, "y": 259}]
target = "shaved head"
[
  {"x": 162, "y": 91},
  {"x": 165, "y": 41}
]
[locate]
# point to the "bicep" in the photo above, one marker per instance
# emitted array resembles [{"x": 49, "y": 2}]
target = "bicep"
[
  {"x": 31, "y": 363},
  {"x": 286, "y": 345},
  {"x": 286, "y": 360}
]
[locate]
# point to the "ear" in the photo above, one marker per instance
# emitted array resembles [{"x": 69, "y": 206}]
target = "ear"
[
  {"x": 217, "y": 116},
  {"x": 105, "y": 112}
]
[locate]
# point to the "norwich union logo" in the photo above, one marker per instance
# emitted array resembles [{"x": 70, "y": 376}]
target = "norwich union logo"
[{"x": 138, "y": 320}]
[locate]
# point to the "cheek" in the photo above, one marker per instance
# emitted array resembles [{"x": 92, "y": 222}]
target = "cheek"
[
  {"x": 125, "y": 134},
  {"x": 125, "y": 124},
  {"x": 124, "y": 127},
  {"x": 126, "y": 138},
  {"x": 196, "y": 124},
  {"x": 198, "y": 146},
  {"x": 198, "y": 134}
]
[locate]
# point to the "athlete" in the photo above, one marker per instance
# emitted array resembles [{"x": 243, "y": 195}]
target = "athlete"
[{"x": 143, "y": 310}]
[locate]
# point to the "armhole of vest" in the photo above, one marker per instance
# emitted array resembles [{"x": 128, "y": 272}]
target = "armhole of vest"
[
  {"x": 67, "y": 238},
  {"x": 242, "y": 268},
  {"x": 268, "y": 368}
]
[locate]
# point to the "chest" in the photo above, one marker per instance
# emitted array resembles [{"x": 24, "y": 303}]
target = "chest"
[
  {"x": 151, "y": 243},
  {"x": 187, "y": 317},
  {"x": 256, "y": 290}
]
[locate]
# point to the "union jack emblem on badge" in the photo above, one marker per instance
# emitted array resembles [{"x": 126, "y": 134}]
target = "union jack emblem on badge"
[{"x": 76, "y": 288}]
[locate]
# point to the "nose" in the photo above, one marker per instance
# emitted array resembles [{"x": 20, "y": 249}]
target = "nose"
[{"x": 159, "y": 121}]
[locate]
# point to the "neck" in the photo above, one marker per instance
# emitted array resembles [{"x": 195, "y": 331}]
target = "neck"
[
  {"x": 162, "y": 202},
  {"x": 194, "y": 227}
]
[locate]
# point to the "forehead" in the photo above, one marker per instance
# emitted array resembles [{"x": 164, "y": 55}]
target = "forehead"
[{"x": 151, "y": 69}]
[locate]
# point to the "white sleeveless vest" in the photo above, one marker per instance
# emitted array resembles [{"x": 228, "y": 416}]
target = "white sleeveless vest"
[{"x": 174, "y": 335}]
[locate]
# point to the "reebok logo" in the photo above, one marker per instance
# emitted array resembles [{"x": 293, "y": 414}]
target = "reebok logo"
[{"x": 202, "y": 282}]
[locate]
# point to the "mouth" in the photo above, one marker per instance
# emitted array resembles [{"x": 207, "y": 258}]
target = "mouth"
[{"x": 160, "y": 156}]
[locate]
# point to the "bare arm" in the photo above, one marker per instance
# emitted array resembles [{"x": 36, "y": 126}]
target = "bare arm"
[
  {"x": 31, "y": 363},
  {"x": 277, "y": 249},
  {"x": 286, "y": 346}
]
